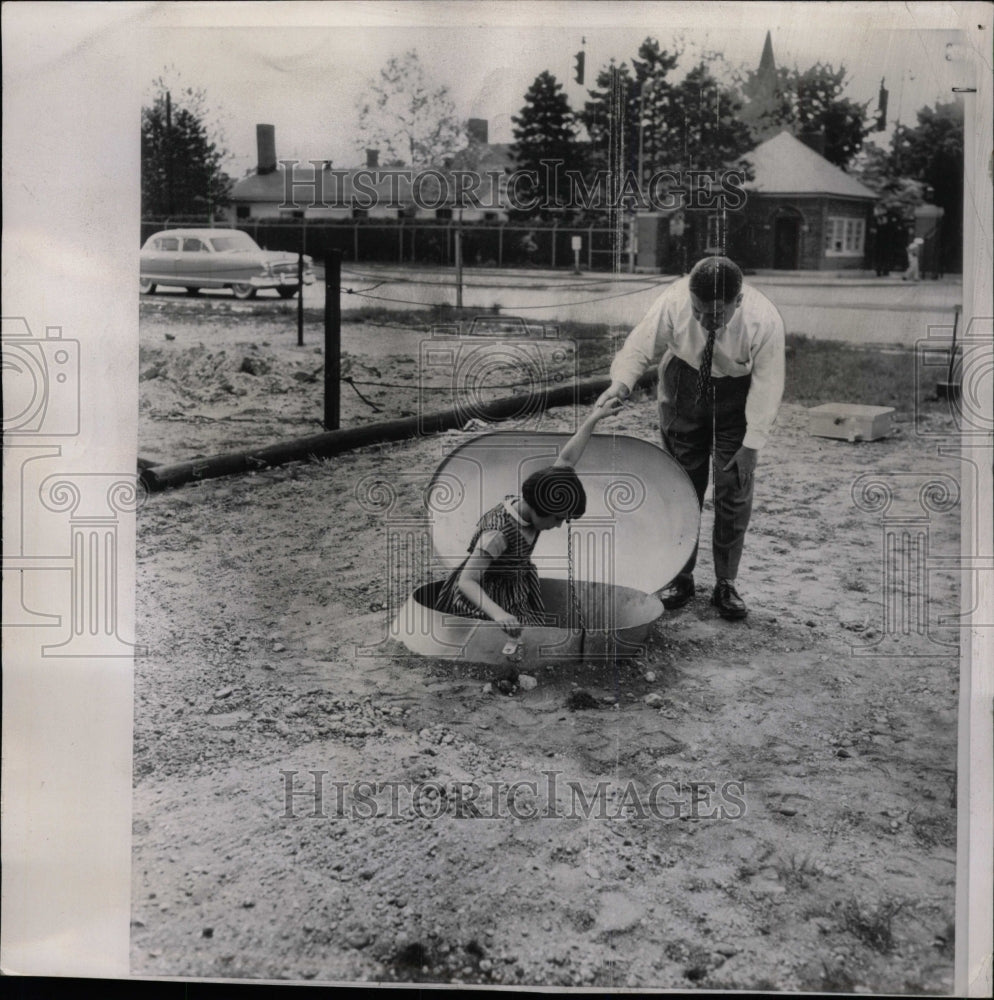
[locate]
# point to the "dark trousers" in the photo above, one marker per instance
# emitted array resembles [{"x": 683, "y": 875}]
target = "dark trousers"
[{"x": 698, "y": 435}]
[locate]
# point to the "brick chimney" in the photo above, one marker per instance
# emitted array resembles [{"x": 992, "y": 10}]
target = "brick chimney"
[
  {"x": 372, "y": 159},
  {"x": 477, "y": 130},
  {"x": 265, "y": 140}
]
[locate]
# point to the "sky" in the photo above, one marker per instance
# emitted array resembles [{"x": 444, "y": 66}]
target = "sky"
[{"x": 303, "y": 69}]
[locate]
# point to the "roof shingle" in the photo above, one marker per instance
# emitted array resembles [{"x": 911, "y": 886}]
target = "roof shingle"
[{"x": 784, "y": 165}]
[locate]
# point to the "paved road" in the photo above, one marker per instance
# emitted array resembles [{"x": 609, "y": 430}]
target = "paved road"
[
  {"x": 855, "y": 310},
  {"x": 882, "y": 311}
]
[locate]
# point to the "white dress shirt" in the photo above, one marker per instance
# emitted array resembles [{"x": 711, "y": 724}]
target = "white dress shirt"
[{"x": 751, "y": 342}]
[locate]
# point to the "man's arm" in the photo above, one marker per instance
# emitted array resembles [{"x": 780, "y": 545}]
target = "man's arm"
[
  {"x": 641, "y": 348},
  {"x": 765, "y": 394},
  {"x": 766, "y": 386}
]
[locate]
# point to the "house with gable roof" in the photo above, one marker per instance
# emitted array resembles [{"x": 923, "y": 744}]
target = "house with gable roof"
[{"x": 802, "y": 213}]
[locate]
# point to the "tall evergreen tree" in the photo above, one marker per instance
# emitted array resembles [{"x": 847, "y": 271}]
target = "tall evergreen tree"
[
  {"x": 701, "y": 128},
  {"x": 810, "y": 102},
  {"x": 545, "y": 142},
  {"x": 625, "y": 109},
  {"x": 182, "y": 165}
]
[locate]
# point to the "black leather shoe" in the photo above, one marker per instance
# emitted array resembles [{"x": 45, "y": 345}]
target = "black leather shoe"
[
  {"x": 676, "y": 594},
  {"x": 726, "y": 599}
]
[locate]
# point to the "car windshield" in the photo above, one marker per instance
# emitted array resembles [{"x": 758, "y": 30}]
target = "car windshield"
[{"x": 236, "y": 241}]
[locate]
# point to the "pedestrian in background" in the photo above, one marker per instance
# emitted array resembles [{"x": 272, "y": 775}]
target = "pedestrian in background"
[{"x": 913, "y": 272}]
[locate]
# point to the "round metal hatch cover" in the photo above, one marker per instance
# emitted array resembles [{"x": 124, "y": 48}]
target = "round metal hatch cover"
[{"x": 641, "y": 521}]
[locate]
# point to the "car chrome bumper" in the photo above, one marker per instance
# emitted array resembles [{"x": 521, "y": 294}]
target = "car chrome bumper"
[{"x": 281, "y": 280}]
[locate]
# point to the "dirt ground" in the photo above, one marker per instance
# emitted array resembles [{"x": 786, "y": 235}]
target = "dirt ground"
[{"x": 810, "y": 842}]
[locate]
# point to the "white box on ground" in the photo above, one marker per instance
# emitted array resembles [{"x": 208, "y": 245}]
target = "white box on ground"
[{"x": 850, "y": 421}]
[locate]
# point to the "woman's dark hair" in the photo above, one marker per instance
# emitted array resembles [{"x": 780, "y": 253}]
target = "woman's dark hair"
[
  {"x": 715, "y": 279},
  {"x": 555, "y": 491}
]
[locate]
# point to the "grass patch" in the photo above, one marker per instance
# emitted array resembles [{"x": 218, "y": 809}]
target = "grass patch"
[
  {"x": 796, "y": 873},
  {"x": 822, "y": 371},
  {"x": 873, "y": 925}
]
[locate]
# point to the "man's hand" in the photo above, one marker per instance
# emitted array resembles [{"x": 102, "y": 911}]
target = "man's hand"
[
  {"x": 616, "y": 390},
  {"x": 745, "y": 461}
]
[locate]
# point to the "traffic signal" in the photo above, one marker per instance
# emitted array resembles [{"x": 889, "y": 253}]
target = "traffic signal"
[
  {"x": 882, "y": 108},
  {"x": 578, "y": 73}
]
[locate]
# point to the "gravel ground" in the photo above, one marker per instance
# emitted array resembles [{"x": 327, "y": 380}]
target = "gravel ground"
[{"x": 806, "y": 835}]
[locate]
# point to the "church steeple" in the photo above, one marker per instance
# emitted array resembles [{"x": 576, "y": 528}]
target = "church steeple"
[
  {"x": 761, "y": 91},
  {"x": 767, "y": 65},
  {"x": 766, "y": 75}
]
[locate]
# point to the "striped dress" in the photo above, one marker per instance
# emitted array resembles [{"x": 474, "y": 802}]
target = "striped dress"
[{"x": 511, "y": 580}]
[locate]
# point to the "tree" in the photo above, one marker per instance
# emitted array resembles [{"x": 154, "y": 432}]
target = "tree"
[
  {"x": 874, "y": 167},
  {"x": 931, "y": 152},
  {"x": 407, "y": 119},
  {"x": 810, "y": 102},
  {"x": 639, "y": 117},
  {"x": 700, "y": 127},
  {"x": 625, "y": 108},
  {"x": 181, "y": 162},
  {"x": 545, "y": 143}
]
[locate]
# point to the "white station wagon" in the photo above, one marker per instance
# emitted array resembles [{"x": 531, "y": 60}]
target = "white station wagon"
[{"x": 218, "y": 258}]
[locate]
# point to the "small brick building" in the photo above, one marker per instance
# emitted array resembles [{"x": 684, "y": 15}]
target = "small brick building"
[{"x": 802, "y": 213}]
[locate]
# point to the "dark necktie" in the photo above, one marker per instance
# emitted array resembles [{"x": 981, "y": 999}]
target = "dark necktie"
[{"x": 704, "y": 372}]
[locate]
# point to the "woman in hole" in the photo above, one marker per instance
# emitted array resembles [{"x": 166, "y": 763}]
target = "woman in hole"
[{"x": 497, "y": 580}]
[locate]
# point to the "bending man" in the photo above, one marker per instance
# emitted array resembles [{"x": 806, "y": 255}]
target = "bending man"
[{"x": 720, "y": 384}]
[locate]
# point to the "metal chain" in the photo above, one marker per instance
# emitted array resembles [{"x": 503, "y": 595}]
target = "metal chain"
[{"x": 576, "y": 612}]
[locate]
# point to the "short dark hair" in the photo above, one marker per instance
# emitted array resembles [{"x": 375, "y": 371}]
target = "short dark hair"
[
  {"x": 555, "y": 491},
  {"x": 716, "y": 279}
]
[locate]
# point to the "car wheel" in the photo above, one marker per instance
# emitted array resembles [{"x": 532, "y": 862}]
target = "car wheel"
[
  {"x": 145, "y": 286},
  {"x": 193, "y": 291},
  {"x": 244, "y": 291},
  {"x": 287, "y": 293}
]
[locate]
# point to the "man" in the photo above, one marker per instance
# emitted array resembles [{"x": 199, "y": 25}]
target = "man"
[{"x": 720, "y": 384}]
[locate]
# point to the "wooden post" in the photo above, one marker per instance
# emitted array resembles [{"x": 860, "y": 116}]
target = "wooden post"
[
  {"x": 300, "y": 299},
  {"x": 332, "y": 339}
]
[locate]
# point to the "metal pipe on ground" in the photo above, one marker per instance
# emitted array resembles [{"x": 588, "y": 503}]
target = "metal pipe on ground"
[{"x": 163, "y": 477}]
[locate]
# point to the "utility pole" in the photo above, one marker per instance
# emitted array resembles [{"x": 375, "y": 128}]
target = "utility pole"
[
  {"x": 459, "y": 261},
  {"x": 169, "y": 154}
]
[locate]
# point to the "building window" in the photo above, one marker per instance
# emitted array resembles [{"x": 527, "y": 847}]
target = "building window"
[
  {"x": 242, "y": 212},
  {"x": 844, "y": 236}
]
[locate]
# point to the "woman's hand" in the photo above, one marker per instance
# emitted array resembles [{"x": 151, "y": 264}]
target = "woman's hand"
[
  {"x": 607, "y": 408},
  {"x": 509, "y": 624},
  {"x": 616, "y": 390}
]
